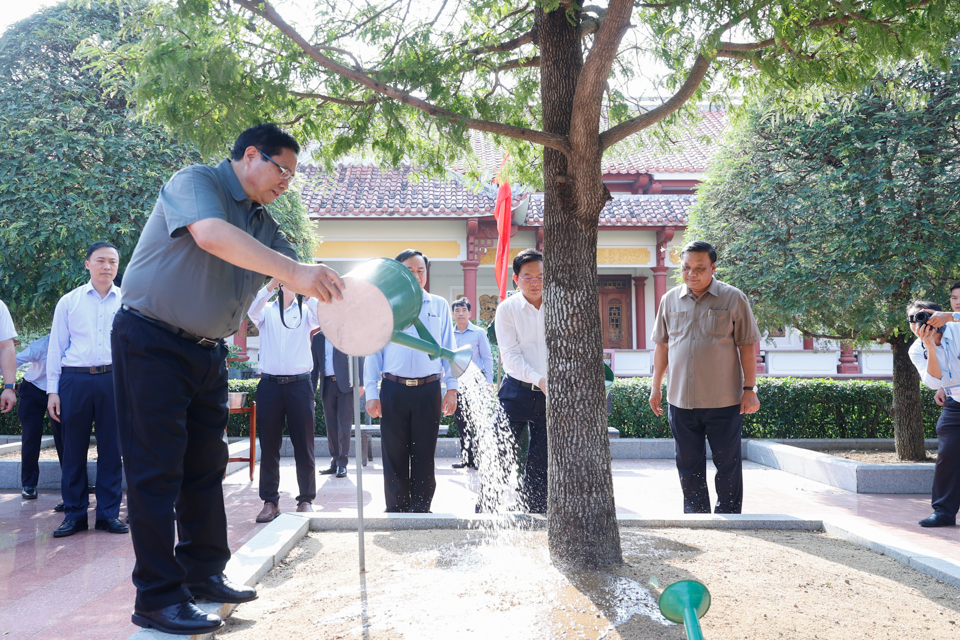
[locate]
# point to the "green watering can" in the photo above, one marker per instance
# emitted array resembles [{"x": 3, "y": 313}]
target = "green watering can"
[
  {"x": 381, "y": 298},
  {"x": 686, "y": 602}
]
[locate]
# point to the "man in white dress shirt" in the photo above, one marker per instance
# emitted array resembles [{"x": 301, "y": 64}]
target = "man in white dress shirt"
[
  {"x": 523, "y": 353},
  {"x": 285, "y": 394},
  {"x": 80, "y": 393}
]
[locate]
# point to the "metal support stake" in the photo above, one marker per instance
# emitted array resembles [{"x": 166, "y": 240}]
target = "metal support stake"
[{"x": 358, "y": 451}]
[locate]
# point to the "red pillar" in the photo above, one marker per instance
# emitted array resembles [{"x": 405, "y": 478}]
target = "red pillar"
[
  {"x": 639, "y": 301},
  {"x": 659, "y": 284},
  {"x": 808, "y": 344},
  {"x": 470, "y": 285},
  {"x": 848, "y": 361}
]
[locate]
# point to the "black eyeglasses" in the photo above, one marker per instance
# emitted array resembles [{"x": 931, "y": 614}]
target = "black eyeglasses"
[{"x": 285, "y": 174}]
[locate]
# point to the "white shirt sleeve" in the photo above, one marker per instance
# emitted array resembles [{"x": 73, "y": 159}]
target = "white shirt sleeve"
[
  {"x": 508, "y": 340},
  {"x": 7, "y": 330},
  {"x": 59, "y": 341}
]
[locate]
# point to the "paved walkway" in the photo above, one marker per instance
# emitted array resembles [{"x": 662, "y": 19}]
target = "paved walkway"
[{"x": 79, "y": 587}]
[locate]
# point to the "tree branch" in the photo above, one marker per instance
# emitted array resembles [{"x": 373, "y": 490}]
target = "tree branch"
[
  {"x": 367, "y": 21},
  {"x": 344, "y": 101},
  {"x": 519, "y": 63},
  {"x": 588, "y": 97},
  {"x": 625, "y": 129},
  {"x": 269, "y": 13},
  {"x": 509, "y": 45}
]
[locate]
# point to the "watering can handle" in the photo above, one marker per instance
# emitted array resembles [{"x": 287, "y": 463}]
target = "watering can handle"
[{"x": 423, "y": 332}]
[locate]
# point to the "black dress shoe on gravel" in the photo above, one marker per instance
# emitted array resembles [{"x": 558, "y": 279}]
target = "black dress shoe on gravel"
[
  {"x": 181, "y": 619},
  {"x": 330, "y": 470},
  {"x": 341, "y": 472},
  {"x": 29, "y": 493},
  {"x": 69, "y": 527},
  {"x": 938, "y": 520},
  {"x": 59, "y": 508},
  {"x": 218, "y": 589},
  {"x": 113, "y": 525},
  {"x": 460, "y": 465}
]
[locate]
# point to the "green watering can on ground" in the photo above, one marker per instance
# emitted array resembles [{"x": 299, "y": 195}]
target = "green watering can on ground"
[
  {"x": 381, "y": 298},
  {"x": 685, "y": 602}
]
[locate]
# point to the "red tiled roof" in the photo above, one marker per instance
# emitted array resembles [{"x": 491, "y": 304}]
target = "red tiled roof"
[
  {"x": 689, "y": 155},
  {"x": 631, "y": 211},
  {"x": 361, "y": 190}
]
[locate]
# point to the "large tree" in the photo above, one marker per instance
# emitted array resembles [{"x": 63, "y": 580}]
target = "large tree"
[
  {"x": 403, "y": 80},
  {"x": 834, "y": 224}
]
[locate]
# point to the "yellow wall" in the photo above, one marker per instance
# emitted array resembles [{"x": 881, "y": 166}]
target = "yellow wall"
[{"x": 332, "y": 249}]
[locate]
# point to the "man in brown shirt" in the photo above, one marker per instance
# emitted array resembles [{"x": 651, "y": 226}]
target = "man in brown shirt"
[{"x": 705, "y": 332}]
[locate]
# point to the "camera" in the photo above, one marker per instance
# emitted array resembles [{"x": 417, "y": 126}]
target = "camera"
[{"x": 921, "y": 318}]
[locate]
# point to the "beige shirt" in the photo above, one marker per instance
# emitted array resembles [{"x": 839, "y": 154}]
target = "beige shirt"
[{"x": 703, "y": 335}]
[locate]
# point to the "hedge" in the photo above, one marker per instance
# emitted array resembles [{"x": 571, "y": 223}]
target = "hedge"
[{"x": 789, "y": 408}]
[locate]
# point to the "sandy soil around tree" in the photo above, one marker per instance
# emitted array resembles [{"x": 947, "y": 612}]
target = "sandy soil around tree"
[{"x": 459, "y": 584}]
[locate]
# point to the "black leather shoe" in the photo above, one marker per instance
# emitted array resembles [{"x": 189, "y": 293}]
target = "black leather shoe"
[
  {"x": 218, "y": 589},
  {"x": 29, "y": 493},
  {"x": 69, "y": 527},
  {"x": 181, "y": 619},
  {"x": 460, "y": 465},
  {"x": 341, "y": 472},
  {"x": 938, "y": 520},
  {"x": 59, "y": 508},
  {"x": 330, "y": 470},
  {"x": 113, "y": 525}
]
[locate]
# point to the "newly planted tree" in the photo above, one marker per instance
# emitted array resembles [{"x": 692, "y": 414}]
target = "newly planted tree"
[{"x": 399, "y": 80}]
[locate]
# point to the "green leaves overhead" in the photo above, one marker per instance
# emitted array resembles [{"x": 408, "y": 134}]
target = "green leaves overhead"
[{"x": 834, "y": 224}]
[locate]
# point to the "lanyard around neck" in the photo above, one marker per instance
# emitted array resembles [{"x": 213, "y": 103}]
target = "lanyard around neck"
[{"x": 283, "y": 308}]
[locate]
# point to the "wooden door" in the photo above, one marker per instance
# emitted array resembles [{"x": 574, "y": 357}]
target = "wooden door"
[{"x": 616, "y": 304}]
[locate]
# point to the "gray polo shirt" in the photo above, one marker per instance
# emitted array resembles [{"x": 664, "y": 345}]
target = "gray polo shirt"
[
  {"x": 703, "y": 336},
  {"x": 171, "y": 279}
]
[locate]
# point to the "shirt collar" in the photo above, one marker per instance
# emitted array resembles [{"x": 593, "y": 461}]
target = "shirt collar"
[
  {"x": 88, "y": 288},
  {"x": 714, "y": 288},
  {"x": 229, "y": 178}
]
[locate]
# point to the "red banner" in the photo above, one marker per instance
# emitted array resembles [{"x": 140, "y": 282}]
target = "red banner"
[{"x": 502, "y": 212}]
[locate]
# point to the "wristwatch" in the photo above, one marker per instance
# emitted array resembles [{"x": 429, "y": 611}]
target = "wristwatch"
[
  {"x": 753, "y": 388},
  {"x": 7, "y": 386},
  {"x": 956, "y": 316}
]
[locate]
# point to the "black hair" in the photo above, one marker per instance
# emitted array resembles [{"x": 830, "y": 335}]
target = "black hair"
[
  {"x": 699, "y": 246},
  {"x": 923, "y": 304},
  {"x": 406, "y": 254},
  {"x": 956, "y": 285},
  {"x": 100, "y": 245},
  {"x": 525, "y": 256},
  {"x": 267, "y": 137},
  {"x": 462, "y": 301}
]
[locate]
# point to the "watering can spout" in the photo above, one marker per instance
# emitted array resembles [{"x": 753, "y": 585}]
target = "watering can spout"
[{"x": 462, "y": 358}]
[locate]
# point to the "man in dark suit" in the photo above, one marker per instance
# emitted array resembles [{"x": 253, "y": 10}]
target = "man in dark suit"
[{"x": 332, "y": 368}]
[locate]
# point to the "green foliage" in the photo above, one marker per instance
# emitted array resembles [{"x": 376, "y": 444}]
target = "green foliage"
[
  {"x": 789, "y": 408},
  {"x": 208, "y": 69},
  {"x": 833, "y": 225},
  {"x": 289, "y": 211},
  {"x": 76, "y": 165}
]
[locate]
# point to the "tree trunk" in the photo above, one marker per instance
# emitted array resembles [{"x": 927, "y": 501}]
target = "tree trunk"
[
  {"x": 907, "y": 419},
  {"x": 582, "y": 520}
]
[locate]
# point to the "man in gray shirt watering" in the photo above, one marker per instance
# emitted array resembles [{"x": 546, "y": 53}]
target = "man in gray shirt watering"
[
  {"x": 705, "y": 332},
  {"x": 205, "y": 250}
]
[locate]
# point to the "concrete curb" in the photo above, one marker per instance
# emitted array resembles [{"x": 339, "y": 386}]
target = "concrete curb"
[
  {"x": 850, "y": 475},
  {"x": 272, "y": 544}
]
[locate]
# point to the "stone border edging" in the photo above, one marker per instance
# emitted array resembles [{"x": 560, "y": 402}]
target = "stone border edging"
[
  {"x": 850, "y": 475},
  {"x": 271, "y": 545}
]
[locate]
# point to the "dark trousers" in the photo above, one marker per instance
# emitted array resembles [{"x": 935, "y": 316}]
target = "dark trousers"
[
  {"x": 294, "y": 404},
  {"x": 87, "y": 399},
  {"x": 408, "y": 436},
  {"x": 465, "y": 431},
  {"x": 527, "y": 407},
  {"x": 31, "y": 409},
  {"x": 338, "y": 414},
  {"x": 172, "y": 409},
  {"x": 946, "y": 473},
  {"x": 722, "y": 428}
]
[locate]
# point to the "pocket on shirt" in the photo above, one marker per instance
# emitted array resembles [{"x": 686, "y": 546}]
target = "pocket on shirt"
[
  {"x": 718, "y": 323},
  {"x": 676, "y": 322}
]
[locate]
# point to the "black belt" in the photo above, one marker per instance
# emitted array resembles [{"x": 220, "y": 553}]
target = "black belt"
[
  {"x": 206, "y": 343},
  {"x": 412, "y": 382},
  {"x": 285, "y": 379},
  {"x": 331, "y": 378},
  {"x": 529, "y": 385},
  {"x": 104, "y": 368}
]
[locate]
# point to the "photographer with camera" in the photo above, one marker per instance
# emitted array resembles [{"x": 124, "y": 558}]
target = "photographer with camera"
[{"x": 936, "y": 355}]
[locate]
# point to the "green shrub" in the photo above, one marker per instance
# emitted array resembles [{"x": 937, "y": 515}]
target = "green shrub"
[{"x": 789, "y": 408}]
